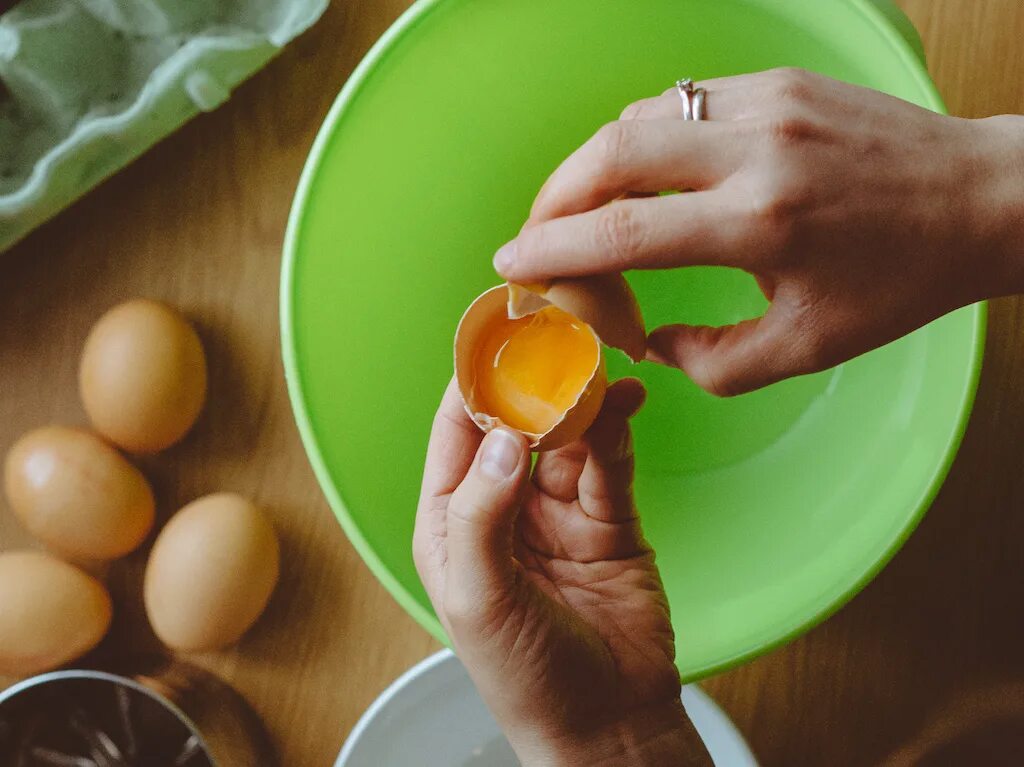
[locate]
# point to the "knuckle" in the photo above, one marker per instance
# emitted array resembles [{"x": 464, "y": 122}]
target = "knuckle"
[
  {"x": 722, "y": 385},
  {"x": 467, "y": 510},
  {"x": 781, "y": 208},
  {"x": 632, "y": 111},
  {"x": 424, "y": 547},
  {"x": 614, "y": 143},
  {"x": 776, "y": 218},
  {"x": 791, "y": 129},
  {"x": 710, "y": 373},
  {"x": 722, "y": 388},
  {"x": 428, "y": 549},
  {"x": 815, "y": 349},
  {"x": 619, "y": 233},
  {"x": 719, "y": 386},
  {"x": 419, "y": 553},
  {"x": 792, "y": 84},
  {"x": 815, "y": 352}
]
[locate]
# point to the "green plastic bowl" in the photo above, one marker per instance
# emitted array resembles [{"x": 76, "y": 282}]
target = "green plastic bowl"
[{"x": 768, "y": 511}]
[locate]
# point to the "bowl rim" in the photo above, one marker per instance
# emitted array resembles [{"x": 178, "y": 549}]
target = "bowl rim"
[
  {"x": 445, "y": 657},
  {"x": 819, "y": 610}
]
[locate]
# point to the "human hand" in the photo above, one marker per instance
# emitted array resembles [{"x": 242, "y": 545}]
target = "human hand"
[
  {"x": 863, "y": 217},
  {"x": 550, "y": 593}
]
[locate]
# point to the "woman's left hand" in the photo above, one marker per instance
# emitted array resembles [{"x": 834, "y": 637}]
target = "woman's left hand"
[{"x": 862, "y": 216}]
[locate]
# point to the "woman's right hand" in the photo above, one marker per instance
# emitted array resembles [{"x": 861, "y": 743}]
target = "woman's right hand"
[
  {"x": 863, "y": 217},
  {"x": 542, "y": 578}
]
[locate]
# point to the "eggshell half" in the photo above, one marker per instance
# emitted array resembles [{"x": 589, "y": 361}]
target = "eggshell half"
[
  {"x": 603, "y": 301},
  {"x": 493, "y": 304}
]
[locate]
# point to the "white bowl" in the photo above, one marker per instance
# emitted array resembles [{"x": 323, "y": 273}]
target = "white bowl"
[{"x": 431, "y": 716}]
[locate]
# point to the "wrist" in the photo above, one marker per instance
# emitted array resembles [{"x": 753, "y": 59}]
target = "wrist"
[
  {"x": 654, "y": 736},
  {"x": 997, "y": 191}
]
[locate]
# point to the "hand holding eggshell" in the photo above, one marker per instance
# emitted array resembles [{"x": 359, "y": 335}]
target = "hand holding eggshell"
[{"x": 530, "y": 357}]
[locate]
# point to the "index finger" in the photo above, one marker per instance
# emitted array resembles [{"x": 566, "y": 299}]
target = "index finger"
[
  {"x": 647, "y": 156},
  {"x": 708, "y": 228},
  {"x": 454, "y": 440},
  {"x": 606, "y": 483}
]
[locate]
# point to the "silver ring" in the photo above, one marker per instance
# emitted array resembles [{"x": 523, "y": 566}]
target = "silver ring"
[
  {"x": 684, "y": 88},
  {"x": 693, "y": 99},
  {"x": 699, "y": 97}
]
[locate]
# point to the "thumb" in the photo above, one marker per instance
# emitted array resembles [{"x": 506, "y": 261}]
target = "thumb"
[
  {"x": 728, "y": 360},
  {"x": 481, "y": 516}
]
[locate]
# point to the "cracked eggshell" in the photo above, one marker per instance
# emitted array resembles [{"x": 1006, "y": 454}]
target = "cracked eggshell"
[
  {"x": 494, "y": 305},
  {"x": 603, "y": 301}
]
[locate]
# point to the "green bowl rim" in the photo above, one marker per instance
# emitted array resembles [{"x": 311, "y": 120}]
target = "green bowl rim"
[{"x": 826, "y": 605}]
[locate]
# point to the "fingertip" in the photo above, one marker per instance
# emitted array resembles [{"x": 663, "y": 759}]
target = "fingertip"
[
  {"x": 675, "y": 345},
  {"x": 525, "y": 259},
  {"x": 505, "y": 258},
  {"x": 724, "y": 361},
  {"x": 662, "y": 343},
  {"x": 626, "y": 396},
  {"x": 653, "y": 355},
  {"x": 502, "y": 454},
  {"x": 684, "y": 348},
  {"x": 609, "y": 434}
]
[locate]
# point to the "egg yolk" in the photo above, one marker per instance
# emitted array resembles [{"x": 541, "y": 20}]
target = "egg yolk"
[{"x": 529, "y": 371}]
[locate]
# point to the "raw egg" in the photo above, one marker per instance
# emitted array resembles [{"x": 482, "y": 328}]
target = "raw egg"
[
  {"x": 77, "y": 494},
  {"x": 143, "y": 376},
  {"x": 211, "y": 573},
  {"x": 50, "y": 612},
  {"x": 530, "y": 357}
]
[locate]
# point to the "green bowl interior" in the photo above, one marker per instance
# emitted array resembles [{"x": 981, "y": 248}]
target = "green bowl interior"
[{"x": 767, "y": 511}]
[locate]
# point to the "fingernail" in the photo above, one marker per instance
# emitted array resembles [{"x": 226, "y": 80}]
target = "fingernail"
[
  {"x": 505, "y": 257},
  {"x": 501, "y": 454}
]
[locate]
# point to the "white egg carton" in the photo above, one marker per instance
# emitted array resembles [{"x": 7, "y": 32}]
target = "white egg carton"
[{"x": 88, "y": 85}]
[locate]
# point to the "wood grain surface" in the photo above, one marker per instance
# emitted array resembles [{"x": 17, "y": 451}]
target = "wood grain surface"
[{"x": 199, "y": 222}]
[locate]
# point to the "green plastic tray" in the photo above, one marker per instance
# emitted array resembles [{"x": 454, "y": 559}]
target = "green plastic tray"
[{"x": 88, "y": 85}]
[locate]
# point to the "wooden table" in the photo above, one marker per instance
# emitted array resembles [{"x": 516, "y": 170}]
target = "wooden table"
[{"x": 199, "y": 222}]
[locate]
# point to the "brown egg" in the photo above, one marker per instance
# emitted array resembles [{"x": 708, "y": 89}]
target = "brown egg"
[
  {"x": 211, "y": 573},
  {"x": 77, "y": 494},
  {"x": 143, "y": 376},
  {"x": 50, "y": 613},
  {"x": 530, "y": 357}
]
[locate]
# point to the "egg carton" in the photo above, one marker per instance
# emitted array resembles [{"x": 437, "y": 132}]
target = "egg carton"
[{"x": 88, "y": 85}]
